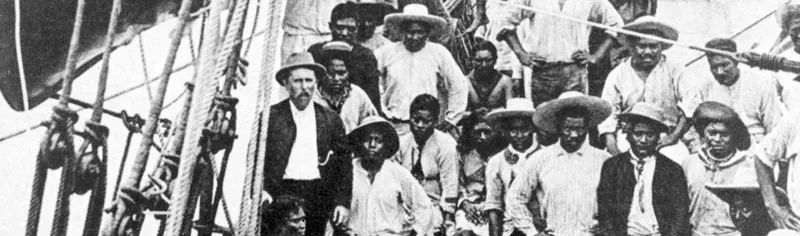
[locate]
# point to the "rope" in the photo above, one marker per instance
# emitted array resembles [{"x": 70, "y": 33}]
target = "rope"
[
  {"x": 253, "y": 30},
  {"x": 745, "y": 29},
  {"x": 144, "y": 67},
  {"x": 249, "y": 217},
  {"x": 132, "y": 124},
  {"x": 201, "y": 103}
]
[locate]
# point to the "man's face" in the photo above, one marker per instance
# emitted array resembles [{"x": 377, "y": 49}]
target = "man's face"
[
  {"x": 482, "y": 134},
  {"x": 422, "y": 123},
  {"x": 573, "y": 133},
  {"x": 520, "y": 133},
  {"x": 338, "y": 76},
  {"x": 717, "y": 139},
  {"x": 724, "y": 69},
  {"x": 373, "y": 145},
  {"x": 296, "y": 222},
  {"x": 794, "y": 32},
  {"x": 647, "y": 53},
  {"x": 483, "y": 61},
  {"x": 643, "y": 139},
  {"x": 415, "y": 36},
  {"x": 301, "y": 83},
  {"x": 367, "y": 30},
  {"x": 344, "y": 30}
]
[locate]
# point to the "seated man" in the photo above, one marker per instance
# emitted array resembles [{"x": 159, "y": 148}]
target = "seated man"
[
  {"x": 285, "y": 216},
  {"x": 335, "y": 90},
  {"x": 489, "y": 89}
]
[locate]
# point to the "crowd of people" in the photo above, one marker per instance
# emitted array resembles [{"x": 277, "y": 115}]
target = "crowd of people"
[{"x": 383, "y": 133}]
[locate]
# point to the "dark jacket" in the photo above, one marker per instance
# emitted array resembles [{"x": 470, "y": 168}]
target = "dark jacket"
[
  {"x": 336, "y": 174},
  {"x": 670, "y": 196}
]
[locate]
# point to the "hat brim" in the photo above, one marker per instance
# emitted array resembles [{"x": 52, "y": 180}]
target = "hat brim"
[
  {"x": 545, "y": 116},
  {"x": 501, "y": 115},
  {"x": 728, "y": 192},
  {"x": 667, "y": 31},
  {"x": 392, "y": 141},
  {"x": 395, "y": 19},
  {"x": 318, "y": 69},
  {"x": 629, "y": 116}
]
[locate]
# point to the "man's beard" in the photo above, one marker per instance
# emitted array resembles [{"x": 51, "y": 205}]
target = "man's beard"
[{"x": 335, "y": 96}]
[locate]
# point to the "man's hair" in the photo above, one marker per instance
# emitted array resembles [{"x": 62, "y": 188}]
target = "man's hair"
[
  {"x": 344, "y": 11},
  {"x": 425, "y": 102},
  {"x": 406, "y": 24},
  {"x": 274, "y": 215},
  {"x": 572, "y": 112},
  {"x": 484, "y": 45},
  {"x": 465, "y": 142},
  {"x": 327, "y": 56}
]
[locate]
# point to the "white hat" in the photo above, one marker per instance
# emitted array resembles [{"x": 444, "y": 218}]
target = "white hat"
[
  {"x": 415, "y": 12},
  {"x": 515, "y": 107}
]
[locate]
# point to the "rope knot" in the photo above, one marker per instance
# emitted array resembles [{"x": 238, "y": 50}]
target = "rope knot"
[
  {"x": 58, "y": 145},
  {"x": 220, "y": 130},
  {"x": 132, "y": 123},
  {"x": 89, "y": 166}
]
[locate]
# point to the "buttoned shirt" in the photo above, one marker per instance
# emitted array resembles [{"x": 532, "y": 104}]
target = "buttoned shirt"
[
  {"x": 438, "y": 159},
  {"x": 554, "y": 38},
  {"x": 407, "y": 75},
  {"x": 355, "y": 108},
  {"x": 303, "y": 160},
  {"x": 308, "y": 17},
  {"x": 501, "y": 171},
  {"x": 565, "y": 185},
  {"x": 753, "y": 97},
  {"x": 667, "y": 86},
  {"x": 710, "y": 214},
  {"x": 783, "y": 144},
  {"x": 642, "y": 218},
  {"x": 393, "y": 204}
]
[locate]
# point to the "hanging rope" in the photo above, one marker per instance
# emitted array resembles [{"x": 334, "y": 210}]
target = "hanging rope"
[
  {"x": 249, "y": 217},
  {"x": 144, "y": 67}
]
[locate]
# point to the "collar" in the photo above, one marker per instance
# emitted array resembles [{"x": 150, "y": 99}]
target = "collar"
[
  {"x": 738, "y": 156},
  {"x": 428, "y": 143},
  {"x": 309, "y": 111},
  {"x": 581, "y": 151},
  {"x": 635, "y": 159},
  {"x": 534, "y": 146}
]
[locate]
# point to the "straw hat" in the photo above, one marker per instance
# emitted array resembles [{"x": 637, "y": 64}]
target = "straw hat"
[
  {"x": 299, "y": 60},
  {"x": 648, "y": 23},
  {"x": 710, "y": 111},
  {"x": 545, "y": 117},
  {"x": 376, "y": 123},
  {"x": 646, "y": 111},
  {"x": 515, "y": 107},
  {"x": 335, "y": 49},
  {"x": 415, "y": 12},
  {"x": 783, "y": 12}
]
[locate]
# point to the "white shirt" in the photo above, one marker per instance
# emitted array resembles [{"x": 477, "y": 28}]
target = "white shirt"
[
  {"x": 642, "y": 218},
  {"x": 303, "y": 160}
]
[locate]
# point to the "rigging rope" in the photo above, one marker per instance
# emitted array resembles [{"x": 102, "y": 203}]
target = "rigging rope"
[
  {"x": 745, "y": 29},
  {"x": 144, "y": 67}
]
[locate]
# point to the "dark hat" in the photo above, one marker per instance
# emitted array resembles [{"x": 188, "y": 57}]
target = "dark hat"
[
  {"x": 649, "y": 24},
  {"x": 708, "y": 112},
  {"x": 375, "y": 11},
  {"x": 546, "y": 114},
  {"x": 299, "y": 60},
  {"x": 722, "y": 44},
  {"x": 381, "y": 125},
  {"x": 647, "y": 112}
]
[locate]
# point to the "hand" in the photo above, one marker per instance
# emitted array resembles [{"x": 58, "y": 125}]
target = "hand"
[
  {"x": 669, "y": 140},
  {"x": 340, "y": 216},
  {"x": 450, "y": 129},
  {"x": 530, "y": 59},
  {"x": 473, "y": 212},
  {"x": 783, "y": 217}
]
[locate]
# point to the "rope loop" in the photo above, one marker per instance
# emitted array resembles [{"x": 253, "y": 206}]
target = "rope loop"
[
  {"x": 58, "y": 146},
  {"x": 220, "y": 130},
  {"x": 132, "y": 123},
  {"x": 88, "y": 168}
]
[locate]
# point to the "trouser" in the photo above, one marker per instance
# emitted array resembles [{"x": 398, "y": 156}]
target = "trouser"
[
  {"x": 317, "y": 208},
  {"x": 552, "y": 79}
]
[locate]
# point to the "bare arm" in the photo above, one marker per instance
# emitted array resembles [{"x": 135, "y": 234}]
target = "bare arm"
[{"x": 495, "y": 222}]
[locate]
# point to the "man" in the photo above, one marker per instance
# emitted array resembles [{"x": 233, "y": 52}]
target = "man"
[
  {"x": 306, "y": 151},
  {"x": 363, "y": 65},
  {"x": 643, "y": 192},
  {"x": 503, "y": 168},
  {"x": 283, "y": 217},
  {"x": 384, "y": 193},
  {"x": 562, "y": 177},
  {"x": 649, "y": 77},
  {"x": 722, "y": 160},
  {"x": 754, "y": 99},
  {"x": 781, "y": 145},
  {"x": 489, "y": 88},
  {"x": 788, "y": 16},
  {"x": 336, "y": 92},
  {"x": 432, "y": 158},
  {"x": 372, "y": 14},
  {"x": 557, "y": 49},
  {"x": 416, "y": 66}
]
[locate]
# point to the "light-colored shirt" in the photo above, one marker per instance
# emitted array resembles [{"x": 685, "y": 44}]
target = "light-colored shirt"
[
  {"x": 439, "y": 161},
  {"x": 568, "y": 200},
  {"x": 709, "y": 213},
  {"x": 355, "y": 108},
  {"x": 303, "y": 160},
  {"x": 308, "y": 17},
  {"x": 393, "y": 204},
  {"x": 783, "y": 144},
  {"x": 642, "y": 217},
  {"x": 557, "y": 39},
  {"x": 788, "y": 89},
  {"x": 501, "y": 171},
  {"x": 407, "y": 75},
  {"x": 667, "y": 86},
  {"x": 753, "y": 97},
  {"x": 375, "y": 42}
]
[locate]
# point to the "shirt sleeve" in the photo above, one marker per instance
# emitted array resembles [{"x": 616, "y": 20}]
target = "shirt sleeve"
[
  {"x": 510, "y": 16},
  {"x": 605, "y": 13},
  {"x": 688, "y": 90},
  {"x": 771, "y": 110},
  {"x": 457, "y": 88},
  {"x": 520, "y": 193},
  {"x": 773, "y": 147},
  {"x": 415, "y": 199},
  {"x": 449, "y": 178},
  {"x": 494, "y": 188},
  {"x": 611, "y": 94}
]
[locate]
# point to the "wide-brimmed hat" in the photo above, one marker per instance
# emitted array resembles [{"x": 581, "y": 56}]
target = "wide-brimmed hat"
[
  {"x": 545, "y": 116},
  {"x": 649, "y": 23},
  {"x": 783, "y": 12},
  {"x": 710, "y": 111},
  {"x": 375, "y": 11},
  {"x": 299, "y": 60},
  {"x": 415, "y": 12},
  {"x": 648, "y": 112},
  {"x": 515, "y": 107},
  {"x": 392, "y": 141}
]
